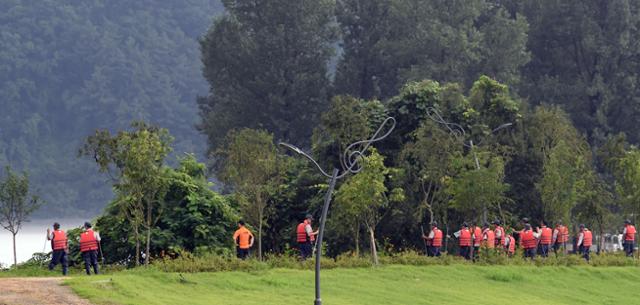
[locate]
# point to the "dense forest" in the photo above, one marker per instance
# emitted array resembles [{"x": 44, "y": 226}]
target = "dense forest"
[
  {"x": 69, "y": 67},
  {"x": 547, "y": 90}
]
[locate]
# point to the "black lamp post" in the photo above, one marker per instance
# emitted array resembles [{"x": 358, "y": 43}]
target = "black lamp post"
[{"x": 350, "y": 158}]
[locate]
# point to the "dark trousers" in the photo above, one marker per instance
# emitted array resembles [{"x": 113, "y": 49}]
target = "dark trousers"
[
  {"x": 585, "y": 252},
  {"x": 531, "y": 252},
  {"x": 476, "y": 252},
  {"x": 90, "y": 260},
  {"x": 560, "y": 246},
  {"x": 242, "y": 253},
  {"x": 465, "y": 251},
  {"x": 628, "y": 247},
  {"x": 306, "y": 251},
  {"x": 59, "y": 257},
  {"x": 433, "y": 251},
  {"x": 544, "y": 250}
]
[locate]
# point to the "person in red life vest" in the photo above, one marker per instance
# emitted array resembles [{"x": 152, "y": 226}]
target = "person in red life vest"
[
  {"x": 476, "y": 234},
  {"x": 546, "y": 238},
  {"x": 528, "y": 241},
  {"x": 464, "y": 239},
  {"x": 488, "y": 237},
  {"x": 60, "y": 247},
  {"x": 243, "y": 238},
  {"x": 434, "y": 240},
  {"x": 510, "y": 244},
  {"x": 560, "y": 238},
  {"x": 500, "y": 234},
  {"x": 305, "y": 236},
  {"x": 629, "y": 233},
  {"x": 89, "y": 245},
  {"x": 585, "y": 240}
]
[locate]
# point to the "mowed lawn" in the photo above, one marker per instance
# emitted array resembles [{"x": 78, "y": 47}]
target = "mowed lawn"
[{"x": 455, "y": 284}]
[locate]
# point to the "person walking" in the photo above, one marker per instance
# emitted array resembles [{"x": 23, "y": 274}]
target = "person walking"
[
  {"x": 89, "y": 245},
  {"x": 477, "y": 240},
  {"x": 629, "y": 233},
  {"x": 500, "y": 234},
  {"x": 60, "y": 247},
  {"x": 560, "y": 238},
  {"x": 243, "y": 238},
  {"x": 546, "y": 238},
  {"x": 528, "y": 241},
  {"x": 585, "y": 240},
  {"x": 305, "y": 236},
  {"x": 464, "y": 239},
  {"x": 510, "y": 244},
  {"x": 488, "y": 238},
  {"x": 434, "y": 240}
]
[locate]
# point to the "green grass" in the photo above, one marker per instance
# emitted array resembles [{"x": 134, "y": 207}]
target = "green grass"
[{"x": 454, "y": 284}]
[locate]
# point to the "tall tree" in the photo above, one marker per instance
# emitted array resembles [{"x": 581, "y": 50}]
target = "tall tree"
[
  {"x": 16, "y": 204},
  {"x": 266, "y": 64},
  {"x": 250, "y": 166}
]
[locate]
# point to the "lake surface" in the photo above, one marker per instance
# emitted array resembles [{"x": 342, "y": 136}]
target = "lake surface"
[{"x": 30, "y": 239}]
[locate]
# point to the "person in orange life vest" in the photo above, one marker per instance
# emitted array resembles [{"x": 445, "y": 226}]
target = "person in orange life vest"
[
  {"x": 500, "y": 234},
  {"x": 546, "y": 238},
  {"x": 585, "y": 240},
  {"x": 434, "y": 240},
  {"x": 464, "y": 239},
  {"x": 510, "y": 243},
  {"x": 243, "y": 238},
  {"x": 560, "y": 238},
  {"x": 629, "y": 233},
  {"x": 476, "y": 234},
  {"x": 89, "y": 245},
  {"x": 488, "y": 237},
  {"x": 305, "y": 236},
  {"x": 60, "y": 247},
  {"x": 528, "y": 241}
]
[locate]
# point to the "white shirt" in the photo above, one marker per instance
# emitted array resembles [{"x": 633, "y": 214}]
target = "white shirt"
[{"x": 308, "y": 229}]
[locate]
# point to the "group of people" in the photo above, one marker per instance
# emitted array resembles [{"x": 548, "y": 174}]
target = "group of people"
[
  {"x": 540, "y": 241},
  {"x": 89, "y": 246}
]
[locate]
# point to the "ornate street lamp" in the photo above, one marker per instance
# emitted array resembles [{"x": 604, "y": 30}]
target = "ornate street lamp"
[{"x": 350, "y": 159}]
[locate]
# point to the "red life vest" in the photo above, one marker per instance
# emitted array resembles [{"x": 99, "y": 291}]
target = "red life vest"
[
  {"x": 546, "y": 236},
  {"x": 88, "y": 241},
  {"x": 491, "y": 238},
  {"x": 563, "y": 234},
  {"x": 301, "y": 233},
  {"x": 437, "y": 238},
  {"x": 477, "y": 237},
  {"x": 527, "y": 239},
  {"x": 499, "y": 242},
  {"x": 587, "y": 238},
  {"x": 465, "y": 238},
  {"x": 59, "y": 241},
  {"x": 631, "y": 233},
  {"x": 512, "y": 244}
]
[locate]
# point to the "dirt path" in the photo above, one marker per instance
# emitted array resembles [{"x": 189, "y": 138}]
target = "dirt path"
[{"x": 37, "y": 291}]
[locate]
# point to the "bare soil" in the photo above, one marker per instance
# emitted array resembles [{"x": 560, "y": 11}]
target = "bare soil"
[{"x": 37, "y": 291}]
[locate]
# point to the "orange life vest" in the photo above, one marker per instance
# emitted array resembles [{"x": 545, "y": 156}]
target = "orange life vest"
[
  {"x": 243, "y": 237},
  {"x": 88, "y": 241},
  {"x": 546, "y": 236},
  {"x": 631, "y": 233},
  {"x": 477, "y": 237},
  {"x": 465, "y": 238},
  {"x": 512, "y": 244},
  {"x": 491, "y": 238},
  {"x": 301, "y": 233},
  {"x": 587, "y": 238},
  {"x": 499, "y": 242},
  {"x": 59, "y": 241},
  {"x": 527, "y": 239},
  {"x": 437, "y": 238},
  {"x": 563, "y": 234}
]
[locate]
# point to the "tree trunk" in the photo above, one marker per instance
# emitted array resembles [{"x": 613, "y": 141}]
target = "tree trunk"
[
  {"x": 260, "y": 238},
  {"x": 149, "y": 225},
  {"x": 136, "y": 232},
  {"x": 374, "y": 251},
  {"x": 15, "y": 257},
  {"x": 357, "y": 235}
]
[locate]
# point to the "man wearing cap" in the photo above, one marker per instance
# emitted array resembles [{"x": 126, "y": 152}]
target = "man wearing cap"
[
  {"x": 585, "y": 240},
  {"x": 464, "y": 239},
  {"x": 89, "y": 245},
  {"x": 305, "y": 236},
  {"x": 629, "y": 233},
  {"x": 60, "y": 247},
  {"x": 434, "y": 240}
]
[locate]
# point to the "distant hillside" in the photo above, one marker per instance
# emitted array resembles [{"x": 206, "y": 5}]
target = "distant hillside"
[{"x": 68, "y": 67}]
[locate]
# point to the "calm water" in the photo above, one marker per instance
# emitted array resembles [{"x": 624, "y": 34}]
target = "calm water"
[{"x": 29, "y": 240}]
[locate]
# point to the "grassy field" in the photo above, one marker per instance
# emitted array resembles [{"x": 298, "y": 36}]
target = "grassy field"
[{"x": 456, "y": 284}]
